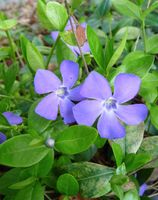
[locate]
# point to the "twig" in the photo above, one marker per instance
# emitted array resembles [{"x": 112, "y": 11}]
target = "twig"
[
  {"x": 71, "y": 23},
  {"x": 47, "y": 196}
]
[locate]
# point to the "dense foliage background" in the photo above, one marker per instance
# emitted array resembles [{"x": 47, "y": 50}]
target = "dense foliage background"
[{"x": 48, "y": 159}]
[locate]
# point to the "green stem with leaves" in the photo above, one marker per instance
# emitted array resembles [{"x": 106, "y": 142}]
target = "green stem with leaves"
[
  {"x": 11, "y": 45},
  {"x": 52, "y": 51}
]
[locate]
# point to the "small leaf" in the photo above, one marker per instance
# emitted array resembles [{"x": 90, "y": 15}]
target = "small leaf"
[
  {"x": 117, "y": 150},
  {"x": 75, "y": 139},
  {"x": 57, "y": 15},
  {"x": 95, "y": 47},
  {"x": 154, "y": 116},
  {"x": 67, "y": 184},
  {"x": 152, "y": 46},
  {"x": 34, "y": 57}
]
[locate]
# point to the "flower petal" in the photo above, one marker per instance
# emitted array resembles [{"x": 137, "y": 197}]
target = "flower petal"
[
  {"x": 66, "y": 110},
  {"x": 75, "y": 94},
  {"x": 109, "y": 127},
  {"x": 96, "y": 87},
  {"x": 2, "y": 138},
  {"x": 12, "y": 118},
  {"x": 54, "y": 35},
  {"x": 87, "y": 111},
  {"x": 45, "y": 81},
  {"x": 48, "y": 107},
  {"x": 126, "y": 87},
  {"x": 70, "y": 72},
  {"x": 85, "y": 49},
  {"x": 132, "y": 114}
]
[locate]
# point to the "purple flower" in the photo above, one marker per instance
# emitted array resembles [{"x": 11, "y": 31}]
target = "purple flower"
[
  {"x": 81, "y": 36},
  {"x": 142, "y": 189},
  {"x": 60, "y": 94},
  {"x": 107, "y": 106},
  {"x": 12, "y": 118},
  {"x": 2, "y": 138}
]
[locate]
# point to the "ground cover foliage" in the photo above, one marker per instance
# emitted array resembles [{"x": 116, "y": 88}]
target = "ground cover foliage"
[{"x": 78, "y": 101}]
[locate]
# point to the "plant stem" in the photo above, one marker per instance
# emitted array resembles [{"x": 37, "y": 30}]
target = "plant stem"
[
  {"x": 144, "y": 36},
  {"x": 72, "y": 27},
  {"x": 11, "y": 45},
  {"x": 52, "y": 51}
]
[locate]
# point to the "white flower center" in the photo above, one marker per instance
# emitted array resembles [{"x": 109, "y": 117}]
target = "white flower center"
[
  {"x": 62, "y": 92},
  {"x": 110, "y": 104}
]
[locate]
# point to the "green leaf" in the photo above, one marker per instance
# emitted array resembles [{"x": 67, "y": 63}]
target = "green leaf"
[
  {"x": 127, "y": 8},
  {"x": 154, "y": 116},
  {"x": 17, "y": 152},
  {"x": 75, "y": 139},
  {"x": 95, "y": 47},
  {"x": 63, "y": 52},
  {"x": 135, "y": 161},
  {"x": 46, "y": 164},
  {"x": 69, "y": 38},
  {"x": 150, "y": 9},
  {"x": 150, "y": 80},
  {"x": 22, "y": 184},
  {"x": 57, "y": 15},
  {"x": 42, "y": 16},
  {"x": 117, "y": 150},
  {"x": 117, "y": 189},
  {"x": 117, "y": 53},
  {"x": 34, "y": 57},
  {"x": 10, "y": 76},
  {"x": 150, "y": 145},
  {"x": 131, "y": 195},
  {"x": 93, "y": 178},
  {"x": 152, "y": 46},
  {"x": 7, "y": 24},
  {"x": 138, "y": 63},
  {"x": 132, "y": 33},
  {"x": 41, "y": 123},
  {"x": 32, "y": 192},
  {"x": 67, "y": 184}
]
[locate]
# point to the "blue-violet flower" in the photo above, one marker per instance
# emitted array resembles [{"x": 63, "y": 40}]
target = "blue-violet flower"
[
  {"x": 107, "y": 106},
  {"x": 60, "y": 94}
]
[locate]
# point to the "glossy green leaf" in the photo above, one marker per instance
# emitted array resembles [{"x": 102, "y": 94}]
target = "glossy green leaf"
[
  {"x": 7, "y": 24},
  {"x": 75, "y": 3},
  {"x": 17, "y": 152},
  {"x": 95, "y": 47},
  {"x": 127, "y": 8},
  {"x": 57, "y": 15},
  {"x": 34, "y": 57},
  {"x": 131, "y": 195},
  {"x": 75, "y": 139},
  {"x": 93, "y": 178},
  {"x": 67, "y": 184}
]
